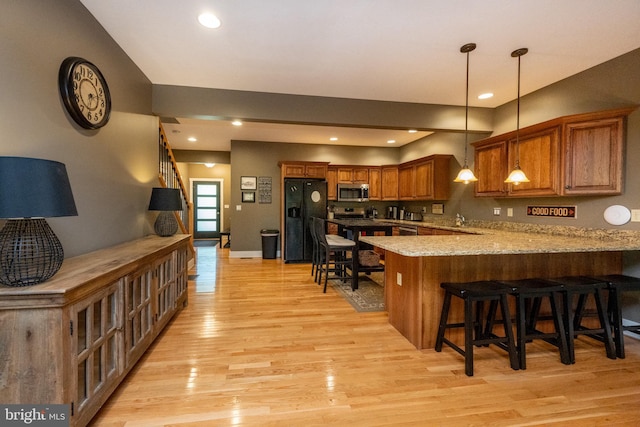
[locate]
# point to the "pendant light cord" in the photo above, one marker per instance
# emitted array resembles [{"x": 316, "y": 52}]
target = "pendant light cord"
[
  {"x": 466, "y": 116},
  {"x": 518, "y": 119}
]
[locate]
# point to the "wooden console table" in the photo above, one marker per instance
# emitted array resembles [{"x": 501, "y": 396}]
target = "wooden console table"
[{"x": 73, "y": 339}]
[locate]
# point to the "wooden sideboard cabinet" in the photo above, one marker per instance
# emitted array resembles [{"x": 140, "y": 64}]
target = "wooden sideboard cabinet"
[{"x": 72, "y": 339}]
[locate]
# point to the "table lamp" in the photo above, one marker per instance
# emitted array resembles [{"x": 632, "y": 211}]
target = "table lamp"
[
  {"x": 30, "y": 191},
  {"x": 165, "y": 200}
]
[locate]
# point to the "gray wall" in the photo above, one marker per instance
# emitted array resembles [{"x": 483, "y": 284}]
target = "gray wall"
[{"x": 112, "y": 169}]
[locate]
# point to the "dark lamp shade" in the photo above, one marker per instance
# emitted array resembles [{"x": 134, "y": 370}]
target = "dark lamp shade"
[
  {"x": 165, "y": 199},
  {"x": 34, "y": 188}
]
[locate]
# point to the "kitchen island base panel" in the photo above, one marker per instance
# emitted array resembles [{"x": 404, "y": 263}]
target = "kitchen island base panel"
[{"x": 413, "y": 296}]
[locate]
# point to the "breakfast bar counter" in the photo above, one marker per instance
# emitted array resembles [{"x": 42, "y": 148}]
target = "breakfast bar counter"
[{"x": 416, "y": 265}]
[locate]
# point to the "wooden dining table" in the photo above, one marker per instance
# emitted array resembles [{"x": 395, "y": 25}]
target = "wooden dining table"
[{"x": 360, "y": 227}]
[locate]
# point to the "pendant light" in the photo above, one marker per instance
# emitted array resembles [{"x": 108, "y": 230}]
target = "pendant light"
[
  {"x": 466, "y": 175},
  {"x": 517, "y": 175}
]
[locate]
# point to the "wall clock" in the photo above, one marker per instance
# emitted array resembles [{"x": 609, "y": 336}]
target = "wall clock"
[{"x": 84, "y": 92}]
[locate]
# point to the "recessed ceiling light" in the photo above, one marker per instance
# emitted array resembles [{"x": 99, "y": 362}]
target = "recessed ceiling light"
[
  {"x": 391, "y": 141},
  {"x": 412, "y": 131},
  {"x": 333, "y": 138},
  {"x": 209, "y": 20},
  {"x": 192, "y": 139},
  {"x": 485, "y": 95},
  {"x": 236, "y": 123}
]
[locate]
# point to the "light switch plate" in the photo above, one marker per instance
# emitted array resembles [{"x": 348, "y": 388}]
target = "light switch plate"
[
  {"x": 238, "y": 207},
  {"x": 509, "y": 211},
  {"x": 635, "y": 215},
  {"x": 399, "y": 278}
]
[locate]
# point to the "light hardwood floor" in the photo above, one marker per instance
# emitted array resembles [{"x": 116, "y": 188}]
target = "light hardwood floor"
[{"x": 260, "y": 344}]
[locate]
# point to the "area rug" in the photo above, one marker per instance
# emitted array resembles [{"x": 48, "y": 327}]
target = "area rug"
[
  {"x": 200, "y": 243},
  {"x": 369, "y": 296}
]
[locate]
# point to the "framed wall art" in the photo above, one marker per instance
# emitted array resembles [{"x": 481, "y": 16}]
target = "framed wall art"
[
  {"x": 248, "y": 183},
  {"x": 248, "y": 197}
]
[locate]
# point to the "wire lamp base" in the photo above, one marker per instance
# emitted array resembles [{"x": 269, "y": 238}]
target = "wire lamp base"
[
  {"x": 166, "y": 224},
  {"x": 30, "y": 252}
]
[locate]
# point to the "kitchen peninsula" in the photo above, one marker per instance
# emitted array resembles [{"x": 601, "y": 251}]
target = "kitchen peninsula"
[{"x": 416, "y": 265}]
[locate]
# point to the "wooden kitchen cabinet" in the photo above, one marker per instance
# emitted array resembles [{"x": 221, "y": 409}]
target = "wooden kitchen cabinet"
[
  {"x": 425, "y": 179},
  {"x": 303, "y": 169},
  {"x": 375, "y": 183},
  {"x": 593, "y": 156},
  {"x": 390, "y": 183},
  {"x": 406, "y": 182},
  {"x": 360, "y": 175},
  {"x": 540, "y": 161},
  {"x": 332, "y": 183},
  {"x": 572, "y": 155},
  {"x": 491, "y": 168},
  {"x": 353, "y": 174},
  {"x": 73, "y": 339}
]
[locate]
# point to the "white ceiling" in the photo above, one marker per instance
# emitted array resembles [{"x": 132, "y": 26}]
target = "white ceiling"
[{"x": 391, "y": 50}]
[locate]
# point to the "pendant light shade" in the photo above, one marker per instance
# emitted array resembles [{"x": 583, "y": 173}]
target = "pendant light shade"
[
  {"x": 466, "y": 174},
  {"x": 517, "y": 175}
]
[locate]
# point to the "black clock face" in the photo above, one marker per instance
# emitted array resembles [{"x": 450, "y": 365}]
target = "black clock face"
[{"x": 84, "y": 92}]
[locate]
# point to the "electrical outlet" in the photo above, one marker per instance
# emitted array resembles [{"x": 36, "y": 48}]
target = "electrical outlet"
[
  {"x": 635, "y": 215},
  {"x": 238, "y": 207},
  {"x": 399, "y": 278},
  {"x": 496, "y": 211},
  {"x": 509, "y": 211}
]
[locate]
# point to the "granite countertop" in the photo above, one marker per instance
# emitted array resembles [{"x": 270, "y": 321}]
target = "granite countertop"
[{"x": 487, "y": 238}]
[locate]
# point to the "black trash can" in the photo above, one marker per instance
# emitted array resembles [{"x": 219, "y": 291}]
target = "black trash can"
[{"x": 269, "y": 243}]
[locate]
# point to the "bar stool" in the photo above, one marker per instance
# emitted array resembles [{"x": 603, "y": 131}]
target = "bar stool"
[
  {"x": 583, "y": 287},
  {"x": 617, "y": 284},
  {"x": 474, "y": 294},
  {"x": 529, "y": 294},
  {"x": 333, "y": 252}
]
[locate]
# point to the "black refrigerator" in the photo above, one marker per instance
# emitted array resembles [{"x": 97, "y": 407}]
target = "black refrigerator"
[{"x": 303, "y": 199}]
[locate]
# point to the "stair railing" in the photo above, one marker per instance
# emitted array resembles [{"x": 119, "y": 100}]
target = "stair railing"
[{"x": 169, "y": 177}]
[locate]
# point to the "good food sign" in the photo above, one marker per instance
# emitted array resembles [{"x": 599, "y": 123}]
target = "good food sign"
[{"x": 552, "y": 211}]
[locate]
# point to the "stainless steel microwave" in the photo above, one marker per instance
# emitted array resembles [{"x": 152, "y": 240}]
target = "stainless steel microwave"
[{"x": 353, "y": 192}]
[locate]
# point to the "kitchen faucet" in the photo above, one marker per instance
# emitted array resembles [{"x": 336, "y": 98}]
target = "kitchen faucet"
[{"x": 460, "y": 221}]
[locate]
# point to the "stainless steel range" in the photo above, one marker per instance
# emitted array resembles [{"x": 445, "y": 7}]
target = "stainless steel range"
[{"x": 348, "y": 213}]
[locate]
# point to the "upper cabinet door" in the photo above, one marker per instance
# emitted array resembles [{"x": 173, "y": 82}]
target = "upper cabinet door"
[
  {"x": 593, "y": 157},
  {"x": 491, "y": 169},
  {"x": 540, "y": 161}
]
